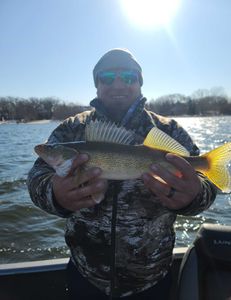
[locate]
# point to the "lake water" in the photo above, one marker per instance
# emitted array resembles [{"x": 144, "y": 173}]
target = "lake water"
[{"x": 27, "y": 233}]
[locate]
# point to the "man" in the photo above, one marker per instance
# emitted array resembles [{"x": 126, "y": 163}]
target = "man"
[{"x": 123, "y": 245}]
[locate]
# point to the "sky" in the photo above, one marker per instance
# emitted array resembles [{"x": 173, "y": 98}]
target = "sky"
[{"x": 48, "y": 48}]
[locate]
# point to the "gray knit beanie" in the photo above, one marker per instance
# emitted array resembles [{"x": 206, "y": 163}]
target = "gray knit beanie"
[{"x": 117, "y": 58}]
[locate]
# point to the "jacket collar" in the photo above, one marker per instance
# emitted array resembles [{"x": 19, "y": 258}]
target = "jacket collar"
[
  {"x": 137, "y": 118},
  {"x": 135, "y": 111}
]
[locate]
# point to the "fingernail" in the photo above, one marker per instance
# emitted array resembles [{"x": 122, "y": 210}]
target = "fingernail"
[
  {"x": 101, "y": 184},
  {"x": 83, "y": 157},
  {"x": 97, "y": 198},
  {"x": 170, "y": 156},
  {"x": 97, "y": 171}
]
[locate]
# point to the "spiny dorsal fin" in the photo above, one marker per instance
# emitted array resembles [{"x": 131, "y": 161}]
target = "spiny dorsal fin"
[
  {"x": 102, "y": 131},
  {"x": 158, "y": 139}
]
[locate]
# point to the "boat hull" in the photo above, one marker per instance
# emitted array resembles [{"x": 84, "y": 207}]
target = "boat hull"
[{"x": 47, "y": 279}]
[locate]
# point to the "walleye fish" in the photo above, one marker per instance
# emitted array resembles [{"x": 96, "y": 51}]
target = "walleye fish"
[{"x": 109, "y": 148}]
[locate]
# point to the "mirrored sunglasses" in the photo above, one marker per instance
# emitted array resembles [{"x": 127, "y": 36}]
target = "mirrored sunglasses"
[{"x": 129, "y": 77}]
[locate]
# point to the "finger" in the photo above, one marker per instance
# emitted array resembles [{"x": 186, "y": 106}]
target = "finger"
[
  {"x": 159, "y": 188},
  {"x": 191, "y": 183},
  {"x": 83, "y": 203},
  {"x": 97, "y": 186},
  {"x": 87, "y": 196},
  {"x": 58, "y": 181},
  {"x": 182, "y": 165},
  {"x": 82, "y": 176},
  {"x": 104, "y": 183},
  {"x": 67, "y": 183},
  {"x": 168, "y": 177},
  {"x": 189, "y": 186},
  {"x": 77, "y": 162},
  {"x": 97, "y": 198},
  {"x": 173, "y": 203}
]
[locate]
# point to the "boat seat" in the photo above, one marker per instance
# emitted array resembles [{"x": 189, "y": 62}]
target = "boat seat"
[{"x": 205, "y": 271}]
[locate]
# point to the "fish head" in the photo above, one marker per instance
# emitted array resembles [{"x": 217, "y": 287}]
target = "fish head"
[{"x": 59, "y": 157}]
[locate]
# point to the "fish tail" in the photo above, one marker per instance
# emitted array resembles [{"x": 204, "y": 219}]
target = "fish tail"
[{"x": 219, "y": 167}]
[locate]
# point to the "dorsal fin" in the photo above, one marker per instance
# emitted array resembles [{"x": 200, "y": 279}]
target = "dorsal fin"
[
  {"x": 158, "y": 139},
  {"x": 102, "y": 131}
]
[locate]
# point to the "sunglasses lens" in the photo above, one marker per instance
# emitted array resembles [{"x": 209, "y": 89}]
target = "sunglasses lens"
[
  {"x": 107, "y": 77},
  {"x": 129, "y": 77}
]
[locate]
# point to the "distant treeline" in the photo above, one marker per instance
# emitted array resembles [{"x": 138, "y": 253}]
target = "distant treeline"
[
  {"x": 31, "y": 109},
  {"x": 178, "y": 105},
  {"x": 24, "y": 110}
]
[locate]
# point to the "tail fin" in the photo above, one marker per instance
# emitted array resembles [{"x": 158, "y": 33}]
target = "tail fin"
[{"x": 219, "y": 171}]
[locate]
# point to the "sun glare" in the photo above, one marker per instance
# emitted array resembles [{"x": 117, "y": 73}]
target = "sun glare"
[{"x": 150, "y": 13}]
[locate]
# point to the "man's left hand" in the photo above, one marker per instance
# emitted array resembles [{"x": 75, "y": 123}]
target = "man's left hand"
[{"x": 178, "y": 190}]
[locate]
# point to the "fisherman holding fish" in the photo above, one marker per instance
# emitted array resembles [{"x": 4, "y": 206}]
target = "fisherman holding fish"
[{"x": 120, "y": 175}]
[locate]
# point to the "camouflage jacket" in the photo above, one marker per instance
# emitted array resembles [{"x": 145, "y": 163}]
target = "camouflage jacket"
[{"x": 144, "y": 236}]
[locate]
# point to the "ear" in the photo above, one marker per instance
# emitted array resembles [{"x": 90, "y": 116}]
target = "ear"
[{"x": 99, "y": 90}]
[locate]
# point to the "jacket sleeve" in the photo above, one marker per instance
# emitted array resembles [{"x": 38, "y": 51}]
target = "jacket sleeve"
[
  {"x": 39, "y": 179},
  {"x": 202, "y": 201},
  {"x": 209, "y": 191}
]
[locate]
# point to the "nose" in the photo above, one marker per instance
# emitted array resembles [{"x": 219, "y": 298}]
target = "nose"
[{"x": 118, "y": 83}]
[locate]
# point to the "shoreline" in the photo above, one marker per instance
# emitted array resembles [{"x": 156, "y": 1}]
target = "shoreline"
[
  {"x": 45, "y": 121},
  {"x": 29, "y": 122},
  {"x": 39, "y": 122}
]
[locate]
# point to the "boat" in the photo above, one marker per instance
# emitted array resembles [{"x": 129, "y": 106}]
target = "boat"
[
  {"x": 207, "y": 260},
  {"x": 45, "y": 280}
]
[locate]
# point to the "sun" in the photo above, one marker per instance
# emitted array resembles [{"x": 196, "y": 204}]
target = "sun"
[{"x": 150, "y": 13}]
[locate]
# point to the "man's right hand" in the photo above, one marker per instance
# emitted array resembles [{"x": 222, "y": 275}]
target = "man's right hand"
[{"x": 76, "y": 191}]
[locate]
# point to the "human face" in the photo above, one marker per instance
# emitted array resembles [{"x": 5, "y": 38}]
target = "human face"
[{"x": 118, "y": 95}]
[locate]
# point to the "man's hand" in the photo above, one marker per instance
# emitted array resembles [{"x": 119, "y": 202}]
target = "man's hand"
[
  {"x": 80, "y": 188},
  {"x": 177, "y": 191}
]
